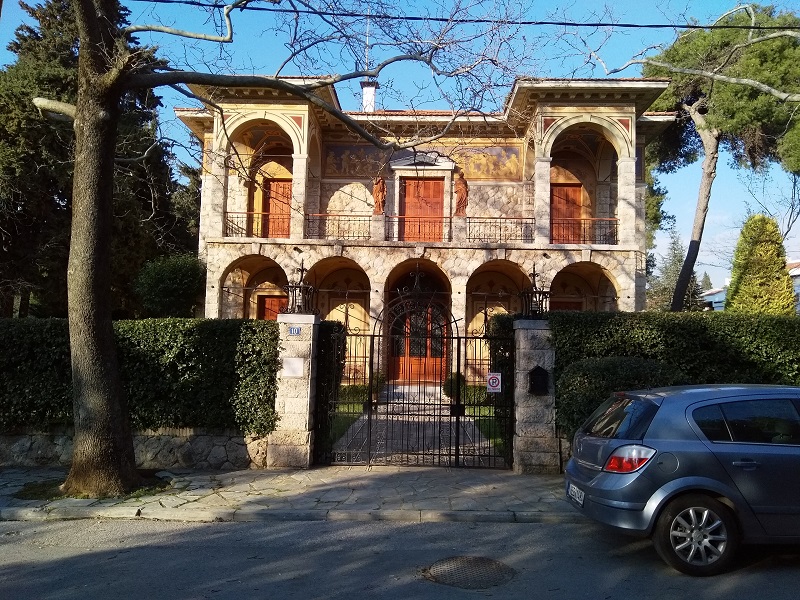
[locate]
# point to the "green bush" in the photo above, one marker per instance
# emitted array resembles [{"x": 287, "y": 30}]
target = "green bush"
[
  {"x": 175, "y": 372},
  {"x": 36, "y": 381},
  {"x": 585, "y": 384},
  {"x": 171, "y": 286},
  {"x": 709, "y": 347}
]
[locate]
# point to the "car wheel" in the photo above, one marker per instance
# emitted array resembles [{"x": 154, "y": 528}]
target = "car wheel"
[{"x": 697, "y": 535}]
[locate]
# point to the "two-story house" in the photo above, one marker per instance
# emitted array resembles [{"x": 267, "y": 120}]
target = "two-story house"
[{"x": 552, "y": 184}]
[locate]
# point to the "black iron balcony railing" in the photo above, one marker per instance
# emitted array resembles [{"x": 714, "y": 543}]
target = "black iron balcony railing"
[
  {"x": 583, "y": 231},
  {"x": 500, "y": 229},
  {"x": 256, "y": 224},
  {"x": 352, "y": 226},
  {"x": 400, "y": 228}
]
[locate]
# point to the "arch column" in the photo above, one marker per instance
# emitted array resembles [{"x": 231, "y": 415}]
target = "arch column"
[
  {"x": 377, "y": 301},
  {"x": 541, "y": 199},
  {"x": 630, "y": 228},
  {"x": 299, "y": 178},
  {"x": 213, "y": 190},
  {"x": 458, "y": 305}
]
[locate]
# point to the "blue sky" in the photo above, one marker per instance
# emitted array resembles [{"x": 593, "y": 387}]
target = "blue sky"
[{"x": 730, "y": 195}]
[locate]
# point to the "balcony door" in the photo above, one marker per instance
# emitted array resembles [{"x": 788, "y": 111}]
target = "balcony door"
[
  {"x": 271, "y": 208},
  {"x": 421, "y": 210},
  {"x": 565, "y": 213}
]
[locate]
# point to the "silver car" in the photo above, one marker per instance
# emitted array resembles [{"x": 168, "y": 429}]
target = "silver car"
[{"x": 700, "y": 469}]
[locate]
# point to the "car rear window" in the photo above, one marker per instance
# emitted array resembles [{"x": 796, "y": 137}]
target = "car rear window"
[{"x": 621, "y": 417}]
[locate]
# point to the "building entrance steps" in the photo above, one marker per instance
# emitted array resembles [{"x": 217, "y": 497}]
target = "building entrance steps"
[{"x": 356, "y": 493}]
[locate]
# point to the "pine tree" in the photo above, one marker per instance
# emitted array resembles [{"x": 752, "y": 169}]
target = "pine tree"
[
  {"x": 705, "y": 282},
  {"x": 760, "y": 283},
  {"x": 36, "y": 172},
  {"x": 662, "y": 286}
]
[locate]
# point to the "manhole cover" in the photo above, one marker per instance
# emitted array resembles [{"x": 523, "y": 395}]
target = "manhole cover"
[{"x": 469, "y": 572}]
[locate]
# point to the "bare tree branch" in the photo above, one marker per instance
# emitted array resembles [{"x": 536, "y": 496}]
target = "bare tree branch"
[
  {"x": 224, "y": 39},
  {"x": 55, "y": 110}
]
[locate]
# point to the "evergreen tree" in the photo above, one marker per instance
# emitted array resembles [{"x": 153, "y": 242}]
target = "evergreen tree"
[
  {"x": 758, "y": 128},
  {"x": 662, "y": 286},
  {"x": 705, "y": 282},
  {"x": 36, "y": 173},
  {"x": 760, "y": 283}
]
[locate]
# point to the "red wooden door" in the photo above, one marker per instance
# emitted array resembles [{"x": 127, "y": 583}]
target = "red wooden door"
[
  {"x": 422, "y": 210},
  {"x": 268, "y": 307},
  {"x": 565, "y": 213},
  {"x": 277, "y": 205},
  {"x": 419, "y": 345}
]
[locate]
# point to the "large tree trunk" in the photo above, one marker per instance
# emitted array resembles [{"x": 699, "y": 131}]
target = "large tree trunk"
[
  {"x": 103, "y": 461},
  {"x": 710, "y": 139}
]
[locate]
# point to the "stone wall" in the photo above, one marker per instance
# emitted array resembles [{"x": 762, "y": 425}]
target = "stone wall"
[{"x": 159, "y": 449}]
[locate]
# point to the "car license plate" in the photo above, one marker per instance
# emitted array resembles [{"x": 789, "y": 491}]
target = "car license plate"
[{"x": 576, "y": 494}]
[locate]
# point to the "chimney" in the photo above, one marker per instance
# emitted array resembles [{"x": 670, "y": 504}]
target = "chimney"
[{"x": 368, "y": 95}]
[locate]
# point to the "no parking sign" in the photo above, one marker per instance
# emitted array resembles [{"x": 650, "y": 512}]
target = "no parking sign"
[{"x": 493, "y": 381}]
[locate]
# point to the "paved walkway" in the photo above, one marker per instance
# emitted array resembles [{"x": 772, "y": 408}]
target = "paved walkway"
[{"x": 414, "y": 494}]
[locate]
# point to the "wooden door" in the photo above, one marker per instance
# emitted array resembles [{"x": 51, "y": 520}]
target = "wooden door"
[
  {"x": 271, "y": 208},
  {"x": 268, "y": 307},
  {"x": 422, "y": 210},
  {"x": 278, "y": 205},
  {"x": 418, "y": 346},
  {"x": 565, "y": 213}
]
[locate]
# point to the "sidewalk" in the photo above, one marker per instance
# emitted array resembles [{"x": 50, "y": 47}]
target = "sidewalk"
[{"x": 413, "y": 494}]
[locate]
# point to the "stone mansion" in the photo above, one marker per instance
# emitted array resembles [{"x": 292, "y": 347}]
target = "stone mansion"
[{"x": 551, "y": 185}]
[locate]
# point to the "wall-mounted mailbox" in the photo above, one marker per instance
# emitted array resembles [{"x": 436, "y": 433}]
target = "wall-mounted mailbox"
[{"x": 538, "y": 381}]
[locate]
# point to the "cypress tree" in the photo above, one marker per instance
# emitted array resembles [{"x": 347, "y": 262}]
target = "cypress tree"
[{"x": 760, "y": 283}]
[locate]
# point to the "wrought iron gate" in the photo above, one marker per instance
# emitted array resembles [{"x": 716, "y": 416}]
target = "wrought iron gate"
[{"x": 414, "y": 392}]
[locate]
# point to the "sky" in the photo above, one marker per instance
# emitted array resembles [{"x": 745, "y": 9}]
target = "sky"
[{"x": 732, "y": 191}]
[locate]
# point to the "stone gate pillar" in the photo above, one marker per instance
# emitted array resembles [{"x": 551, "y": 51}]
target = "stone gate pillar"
[
  {"x": 536, "y": 446},
  {"x": 290, "y": 445}
]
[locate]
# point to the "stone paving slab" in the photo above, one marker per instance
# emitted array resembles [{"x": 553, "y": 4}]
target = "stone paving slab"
[{"x": 413, "y": 494}]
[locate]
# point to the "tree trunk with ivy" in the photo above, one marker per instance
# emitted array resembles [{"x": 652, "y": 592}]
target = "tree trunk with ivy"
[{"x": 103, "y": 462}]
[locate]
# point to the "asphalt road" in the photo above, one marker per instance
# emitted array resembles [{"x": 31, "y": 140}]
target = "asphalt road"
[{"x": 144, "y": 560}]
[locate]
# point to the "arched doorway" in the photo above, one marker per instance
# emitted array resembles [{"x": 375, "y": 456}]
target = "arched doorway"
[
  {"x": 419, "y": 324},
  {"x": 269, "y": 181},
  {"x": 253, "y": 288},
  {"x": 583, "y": 286}
]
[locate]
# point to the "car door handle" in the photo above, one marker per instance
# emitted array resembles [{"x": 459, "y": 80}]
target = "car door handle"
[{"x": 747, "y": 465}]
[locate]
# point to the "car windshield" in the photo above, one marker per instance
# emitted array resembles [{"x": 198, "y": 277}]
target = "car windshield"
[{"x": 621, "y": 417}]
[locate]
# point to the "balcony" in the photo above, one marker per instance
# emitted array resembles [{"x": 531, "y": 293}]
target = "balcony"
[
  {"x": 253, "y": 224},
  {"x": 352, "y": 226},
  {"x": 500, "y": 229},
  {"x": 583, "y": 231},
  {"x": 400, "y": 228}
]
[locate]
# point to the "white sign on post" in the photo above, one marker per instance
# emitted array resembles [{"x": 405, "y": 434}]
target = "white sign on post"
[{"x": 493, "y": 382}]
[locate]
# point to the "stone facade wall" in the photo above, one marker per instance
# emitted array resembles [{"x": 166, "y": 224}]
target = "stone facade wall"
[
  {"x": 158, "y": 449},
  {"x": 495, "y": 200}
]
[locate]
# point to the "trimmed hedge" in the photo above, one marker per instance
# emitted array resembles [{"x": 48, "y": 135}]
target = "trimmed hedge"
[
  {"x": 218, "y": 374},
  {"x": 669, "y": 348},
  {"x": 709, "y": 347},
  {"x": 585, "y": 384}
]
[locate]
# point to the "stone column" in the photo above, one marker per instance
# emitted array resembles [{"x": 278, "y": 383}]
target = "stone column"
[
  {"x": 626, "y": 203},
  {"x": 290, "y": 445},
  {"x": 298, "y": 217},
  {"x": 458, "y": 229},
  {"x": 377, "y": 228},
  {"x": 541, "y": 195},
  {"x": 536, "y": 446}
]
